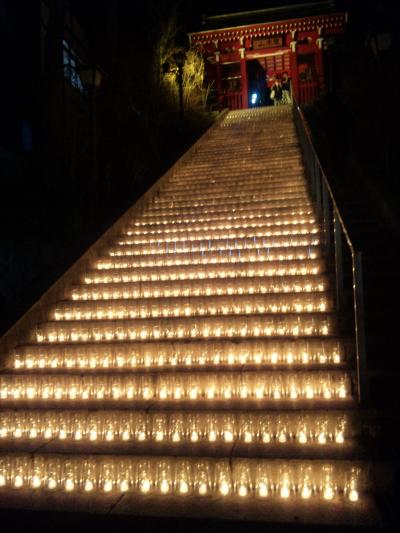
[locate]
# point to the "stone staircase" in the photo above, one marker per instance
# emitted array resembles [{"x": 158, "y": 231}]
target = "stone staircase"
[{"x": 195, "y": 366}]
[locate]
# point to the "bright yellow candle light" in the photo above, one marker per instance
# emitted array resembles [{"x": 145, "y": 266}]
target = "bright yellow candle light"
[
  {"x": 224, "y": 488},
  {"x": 145, "y": 485},
  {"x": 285, "y": 490},
  {"x": 203, "y": 489},
  {"x": 69, "y": 485},
  {"x": 306, "y": 492},
  {"x": 183, "y": 487},
  {"x": 193, "y": 283},
  {"x": 212, "y": 436},
  {"x": 124, "y": 485},
  {"x": 18, "y": 481},
  {"x": 88, "y": 486},
  {"x": 353, "y": 495},
  {"x": 328, "y": 492},
  {"x": 164, "y": 486},
  {"x": 339, "y": 437}
]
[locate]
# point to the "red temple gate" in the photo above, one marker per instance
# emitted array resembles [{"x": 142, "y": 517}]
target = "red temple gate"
[{"x": 245, "y": 59}]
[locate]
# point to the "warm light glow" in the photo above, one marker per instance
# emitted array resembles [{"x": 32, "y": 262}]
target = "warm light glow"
[
  {"x": 285, "y": 491},
  {"x": 205, "y": 329},
  {"x": 328, "y": 492},
  {"x": 224, "y": 488},
  {"x": 353, "y": 495},
  {"x": 69, "y": 485},
  {"x": 164, "y": 486},
  {"x": 185, "y": 427},
  {"x": 145, "y": 485},
  {"x": 278, "y": 385},
  {"x": 88, "y": 486}
]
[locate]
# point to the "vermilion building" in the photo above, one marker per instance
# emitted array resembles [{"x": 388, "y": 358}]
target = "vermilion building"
[{"x": 244, "y": 51}]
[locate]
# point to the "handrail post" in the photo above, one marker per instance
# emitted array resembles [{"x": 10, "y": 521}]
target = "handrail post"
[
  {"x": 363, "y": 381},
  {"x": 338, "y": 260}
]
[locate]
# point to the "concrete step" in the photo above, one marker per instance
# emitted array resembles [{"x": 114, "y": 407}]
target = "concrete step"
[
  {"x": 320, "y": 388},
  {"x": 211, "y": 433},
  {"x": 236, "y": 219},
  {"x": 127, "y": 271},
  {"x": 194, "y": 364},
  {"x": 181, "y": 355}
]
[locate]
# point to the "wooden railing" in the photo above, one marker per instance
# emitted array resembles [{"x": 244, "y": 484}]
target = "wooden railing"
[
  {"x": 232, "y": 100},
  {"x": 308, "y": 91}
]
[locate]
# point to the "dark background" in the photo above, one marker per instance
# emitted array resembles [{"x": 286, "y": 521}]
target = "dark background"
[{"x": 51, "y": 210}]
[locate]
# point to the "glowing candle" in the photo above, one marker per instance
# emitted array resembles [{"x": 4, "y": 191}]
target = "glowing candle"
[{"x": 145, "y": 485}]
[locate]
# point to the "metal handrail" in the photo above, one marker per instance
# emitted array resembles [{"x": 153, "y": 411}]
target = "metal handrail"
[{"x": 329, "y": 214}]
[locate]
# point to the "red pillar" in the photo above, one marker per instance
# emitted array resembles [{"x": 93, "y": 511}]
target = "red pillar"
[
  {"x": 294, "y": 71},
  {"x": 218, "y": 80},
  {"x": 243, "y": 73},
  {"x": 319, "y": 64}
]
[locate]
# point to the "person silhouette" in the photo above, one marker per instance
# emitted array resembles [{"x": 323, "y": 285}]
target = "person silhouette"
[
  {"x": 286, "y": 98},
  {"x": 276, "y": 92}
]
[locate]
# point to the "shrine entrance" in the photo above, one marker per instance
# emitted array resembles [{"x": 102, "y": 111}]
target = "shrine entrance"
[
  {"x": 242, "y": 60},
  {"x": 257, "y": 84}
]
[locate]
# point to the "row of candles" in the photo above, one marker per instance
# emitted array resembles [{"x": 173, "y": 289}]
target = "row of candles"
[
  {"x": 192, "y": 476},
  {"x": 257, "y": 179},
  {"x": 120, "y": 272},
  {"x": 305, "y": 263},
  {"x": 233, "y": 194},
  {"x": 186, "y": 328},
  {"x": 302, "y": 201},
  {"x": 261, "y": 161},
  {"x": 175, "y": 427},
  {"x": 213, "y": 245},
  {"x": 236, "y": 198},
  {"x": 168, "y": 355},
  {"x": 192, "y": 306},
  {"x": 259, "y": 225},
  {"x": 213, "y": 175},
  {"x": 251, "y": 147},
  {"x": 204, "y": 208},
  {"x": 276, "y": 201},
  {"x": 204, "y": 235},
  {"x": 237, "y": 188},
  {"x": 205, "y": 172},
  {"x": 236, "y": 218},
  {"x": 208, "y": 257},
  {"x": 233, "y": 180},
  {"x": 235, "y": 177},
  {"x": 256, "y": 152},
  {"x": 257, "y": 215},
  {"x": 179, "y": 386},
  {"x": 214, "y": 287}
]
